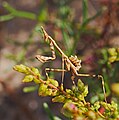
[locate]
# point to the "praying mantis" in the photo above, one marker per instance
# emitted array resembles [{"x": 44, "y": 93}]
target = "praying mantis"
[{"x": 72, "y": 63}]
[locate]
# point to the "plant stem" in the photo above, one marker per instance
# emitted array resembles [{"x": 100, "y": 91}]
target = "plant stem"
[{"x": 17, "y": 13}]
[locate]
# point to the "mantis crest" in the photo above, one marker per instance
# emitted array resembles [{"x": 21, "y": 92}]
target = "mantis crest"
[{"x": 72, "y": 63}]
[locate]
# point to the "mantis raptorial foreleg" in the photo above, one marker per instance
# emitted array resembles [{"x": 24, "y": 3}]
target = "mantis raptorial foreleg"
[{"x": 44, "y": 59}]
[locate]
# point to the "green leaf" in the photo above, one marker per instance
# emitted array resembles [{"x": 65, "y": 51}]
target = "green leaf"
[
  {"x": 80, "y": 84},
  {"x": 69, "y": 108},
  {"x": 112, "y": 51},
  {"x": 42, "y": 89},
  {"x": 35, "y": 71},
  {"x": 80, "y": 97},
  {"x": 96, "y": 106},
  {"x": 60, "y": 98},
  {"x": 54, "y": 92},
  {"x": 112, "y": 59},
  {"x": 28, "y": 78},
  {"x": 85, "y": 92},
  {"x": 48, "y": 92},
  {"x": 53, "y": 82},
  {"x": 69, "y": 91},
  {"x": 29, "y": 89},
  {"x": 22, "y": 68},
  {"x": 37, "y": 81}
]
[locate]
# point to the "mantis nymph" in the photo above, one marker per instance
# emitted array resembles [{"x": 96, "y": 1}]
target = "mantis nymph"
[{"x": 72, "y": 63}]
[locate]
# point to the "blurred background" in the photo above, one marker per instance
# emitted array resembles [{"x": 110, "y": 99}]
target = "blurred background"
[{"x": 86, "y": 28}]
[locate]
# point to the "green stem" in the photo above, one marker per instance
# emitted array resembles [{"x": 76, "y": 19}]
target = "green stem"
[
  {"x": 8, "y": 7},
  {"x": 82, "y": 29},
  {"x": 85, "y": 9},
  {"x": 17, "y": 13},
  {"x": 6, "y": 17},
  {"x": 66, "y": 40},
  {"x": 51, "y": 117}
]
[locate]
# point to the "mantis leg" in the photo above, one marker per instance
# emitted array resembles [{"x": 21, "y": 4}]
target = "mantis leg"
[
  {"x": 99, "y": 77},
  {"x": 44, "y": 59},
  {"x": 103, "y": 85},
  {"x": 62, "y": 69},
  {"x": 53, "y": 70},
  {"x": 72, "y": 78}
]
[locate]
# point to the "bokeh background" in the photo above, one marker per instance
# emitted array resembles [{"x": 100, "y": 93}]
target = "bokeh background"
[{"x": 86, "y": 28}]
